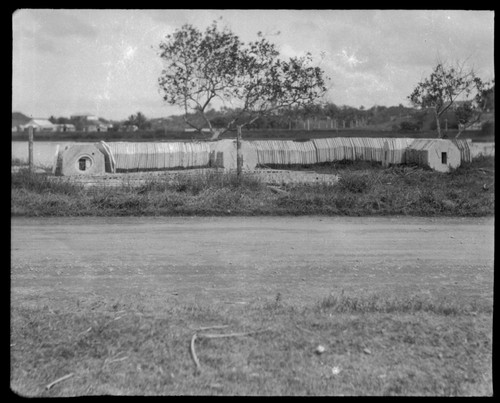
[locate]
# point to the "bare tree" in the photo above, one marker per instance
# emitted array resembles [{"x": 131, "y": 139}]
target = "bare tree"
[
  {"x": 251, "y": 79},
  {"x": 445, "y": 86}
]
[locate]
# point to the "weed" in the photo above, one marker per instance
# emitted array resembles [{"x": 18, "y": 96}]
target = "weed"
[
  {"x": 468, "y": 191},
  {"x": 18, "y": 162},
  {"x": 41, "y": 183},
  {"x": 412, "y": 304},
  {"x": 354, "y": 182}
]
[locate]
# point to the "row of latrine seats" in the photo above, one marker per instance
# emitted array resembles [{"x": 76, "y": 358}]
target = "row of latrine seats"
[
  {"x": 331, "y": 149},
  {"x": 276, "y": 152},
  {"x": 144, "y": 156},
  {"x": 362, "y": 149}
]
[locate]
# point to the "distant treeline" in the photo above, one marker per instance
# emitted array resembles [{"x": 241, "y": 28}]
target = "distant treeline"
[{"x": 316, "y": 117}]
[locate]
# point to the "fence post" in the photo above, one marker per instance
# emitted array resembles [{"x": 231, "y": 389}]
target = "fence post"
[
  {"x": 385, "y": 158},
  {"x": 239, "y": 159},
  {"x": 30, "y": 148}
]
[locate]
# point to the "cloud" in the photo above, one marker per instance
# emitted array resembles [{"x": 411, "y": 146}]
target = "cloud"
[
  {"x": 62, "y": 24},
  {"x": 48, "y": 31},
  {"x": 103, "y": 58}
]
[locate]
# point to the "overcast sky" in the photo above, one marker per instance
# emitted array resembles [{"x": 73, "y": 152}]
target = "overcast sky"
[{"x": 103, "y": 62}]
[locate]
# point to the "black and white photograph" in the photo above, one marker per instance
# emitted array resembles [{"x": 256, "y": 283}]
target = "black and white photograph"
[{"x": 252, "y": 202}]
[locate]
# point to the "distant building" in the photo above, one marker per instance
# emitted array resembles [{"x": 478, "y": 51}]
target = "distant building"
[
  {"x": 18, "y": 120},
  {"x": 65, "y": 127},
  {"x": 85, "y": 117},
  {"x": 90, "y": 123},
  {"x": 474, "y": 126},
  {"x": 96, "y": 127},
  {"x": 41, "y": 125}
]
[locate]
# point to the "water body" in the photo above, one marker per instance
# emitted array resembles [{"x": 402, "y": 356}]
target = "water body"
[{"x": 43, "y": 151}]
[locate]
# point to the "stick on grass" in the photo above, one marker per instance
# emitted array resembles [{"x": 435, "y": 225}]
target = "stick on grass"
[
  {"x": 193, "y": 353},
  {"x": 212, "y": 327},
  {"x": 305, "y": 330},
  {"x": 62, "y": 378},
  {"x": 216, "y": 336}
]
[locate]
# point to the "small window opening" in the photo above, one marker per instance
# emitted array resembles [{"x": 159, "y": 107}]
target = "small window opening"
[
  {"x": 444, "y": 158},
  {"x": 84, "y": 163}
]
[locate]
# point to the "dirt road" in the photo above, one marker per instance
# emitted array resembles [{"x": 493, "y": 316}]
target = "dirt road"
[{"x": 237, "y": 260}]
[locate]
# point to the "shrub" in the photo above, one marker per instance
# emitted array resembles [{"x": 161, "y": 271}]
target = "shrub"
[
  {"x": 24, "y": 179},
  {"x": 354, "y": 183},
  {"x": 409, "y": 126},
  {"x": 488, "y": 128}
]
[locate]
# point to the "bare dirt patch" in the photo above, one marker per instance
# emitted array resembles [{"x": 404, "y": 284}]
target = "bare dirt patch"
[{"x": 242, "y": 259}]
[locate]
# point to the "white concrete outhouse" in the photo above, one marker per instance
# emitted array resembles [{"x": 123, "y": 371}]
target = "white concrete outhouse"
[
  {"x": 223, "y": 155},
  {"x": 80, "y": 159},
  {"x": 438, "y": 154}
]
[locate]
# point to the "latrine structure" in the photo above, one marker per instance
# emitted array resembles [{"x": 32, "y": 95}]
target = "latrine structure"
[
  {"x": 79, "y": 159},
  {"x": 274, "y": 152},
  {"x": 361, "y": 149},
  {"x": 437, "y": 154},
  {"x": 155, "y": 156}
]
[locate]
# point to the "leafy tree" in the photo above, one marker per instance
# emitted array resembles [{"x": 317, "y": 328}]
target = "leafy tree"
[
  {"x": 138, "y": 120},
  {"x": 470, "y": 112},
  {"x": 489, "y": 97},
  {"x": 218, "y": 122},
  {"x": 331, "y": 110},
  {"x": 444, "y": 87},
  {"x": 201, "y": 67}
]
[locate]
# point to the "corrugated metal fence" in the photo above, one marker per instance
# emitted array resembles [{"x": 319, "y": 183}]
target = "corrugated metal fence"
[
  {"x": 464, "y": 146},
  {"x": 277, "y": 152},
  {"x": 143, "y": 156},
  {"x": 330, "y": 149},
  {"x": 147, "y": 156}
]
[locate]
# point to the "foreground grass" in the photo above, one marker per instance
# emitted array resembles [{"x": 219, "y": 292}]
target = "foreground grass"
[
  {"x": 364, "y": 189},
  {"x": 374, "y": 345}
]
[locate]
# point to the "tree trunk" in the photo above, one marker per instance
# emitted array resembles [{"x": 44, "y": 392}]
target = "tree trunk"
[
  {"x": 216, "y": 133},
  {"x": 438, "y": 126},
  {"x": 239, "y": 157}
]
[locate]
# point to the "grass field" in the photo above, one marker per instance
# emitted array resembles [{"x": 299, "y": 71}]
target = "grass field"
[
  {"x": 138, "y": 344},
  {"x": 364, "y": 189}
]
